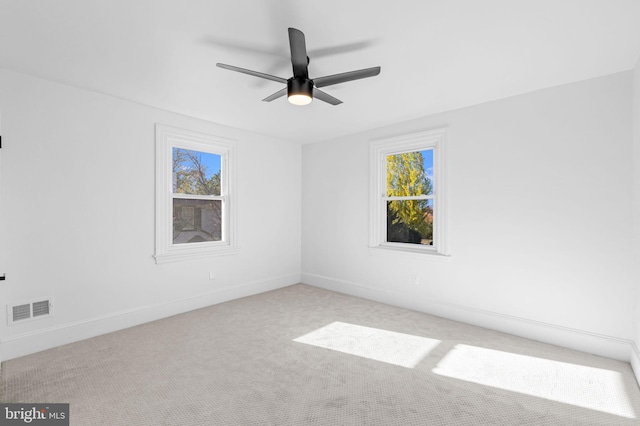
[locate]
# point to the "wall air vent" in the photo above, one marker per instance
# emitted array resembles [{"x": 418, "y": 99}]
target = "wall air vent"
[
  {"x": 21, "y": 312},
  {"x": 29, "y": 311}
]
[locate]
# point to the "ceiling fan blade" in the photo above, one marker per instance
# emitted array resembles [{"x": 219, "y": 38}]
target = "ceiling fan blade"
[
  {"x": 346, "y": 76},
  {"x": 253, "y": 73},
  {"x": 323, "y": 96},
  {"x": 276, "y": 95},
  {"x": 342, "y": 48},
  {"x": 299, "y": 58}
]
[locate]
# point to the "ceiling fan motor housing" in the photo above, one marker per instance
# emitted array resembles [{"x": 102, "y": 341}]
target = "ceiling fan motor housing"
[{"x": 300, "y": 86}]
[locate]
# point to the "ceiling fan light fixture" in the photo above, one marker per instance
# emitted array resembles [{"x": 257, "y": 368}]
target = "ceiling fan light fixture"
[
  {"x": 299, "y": 91},
  {"x": 300, "y": 99}
]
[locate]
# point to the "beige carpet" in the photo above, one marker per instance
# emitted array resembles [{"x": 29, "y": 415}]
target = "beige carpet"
[{"x": 305, "y": 356}]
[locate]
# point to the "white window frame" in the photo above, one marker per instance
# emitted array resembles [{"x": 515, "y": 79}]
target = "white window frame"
[
  {"x": 378, "y": 152},
  {"x": 166, "y": 139}
]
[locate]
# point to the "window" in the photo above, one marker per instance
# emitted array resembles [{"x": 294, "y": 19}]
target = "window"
[
  {"x": 194, "y": 195},
  {"x": 408, "y": 194}
]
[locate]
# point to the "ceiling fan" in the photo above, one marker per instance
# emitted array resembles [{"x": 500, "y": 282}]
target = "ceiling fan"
[{"x": 300, "y": 88}]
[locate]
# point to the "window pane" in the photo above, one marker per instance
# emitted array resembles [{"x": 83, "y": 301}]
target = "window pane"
[
  {"x": 410, "y": 221},
  {"x": 196, "y": 221},
  {"x": 195, "y": 172},
  {"x": 410, "y": 173}
]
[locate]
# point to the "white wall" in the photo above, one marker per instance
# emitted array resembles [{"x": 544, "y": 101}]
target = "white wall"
[
  {"x": 541, "y": 212},
  {"x": 635, "y": 355},
  {"x": 540, "y": 218},
  {"x": 78, "y": 215}
]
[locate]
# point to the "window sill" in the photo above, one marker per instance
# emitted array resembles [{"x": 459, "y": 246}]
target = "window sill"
[
  {"x": 422, "y": 251},
  {"x": 195, "y": 253}
]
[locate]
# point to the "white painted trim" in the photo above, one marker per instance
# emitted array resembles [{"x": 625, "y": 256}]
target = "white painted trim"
[
  {"x": 378, "y": 150},
  {"x": 39, "y": 340},
  {"x": 166, "y": 138},
  {"x": 582, "y": 340},
  {"x": 385, "y": 250}
]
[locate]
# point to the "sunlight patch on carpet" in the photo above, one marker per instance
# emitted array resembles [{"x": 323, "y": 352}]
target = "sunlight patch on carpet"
[
  {"x": 400, "y": 349},
  {"x": 578, "y": 385}
]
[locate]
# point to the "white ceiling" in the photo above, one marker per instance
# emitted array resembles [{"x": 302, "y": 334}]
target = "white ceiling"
[{"x": 435, "y": 55}]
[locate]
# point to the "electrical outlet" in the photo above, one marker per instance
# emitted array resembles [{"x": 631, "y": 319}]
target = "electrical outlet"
[
  {"x": 415, "y": 279},
  {"x": 212, "y": 276}
]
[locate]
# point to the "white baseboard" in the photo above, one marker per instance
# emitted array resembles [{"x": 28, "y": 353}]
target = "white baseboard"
[
  {"x": 39, "y": 340},
  {"x": 585, "y": 341}
]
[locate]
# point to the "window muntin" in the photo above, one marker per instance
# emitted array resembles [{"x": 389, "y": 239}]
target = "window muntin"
[
  {"x": 195, "y": 213},
  {"x": 408, "y": 193}
]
